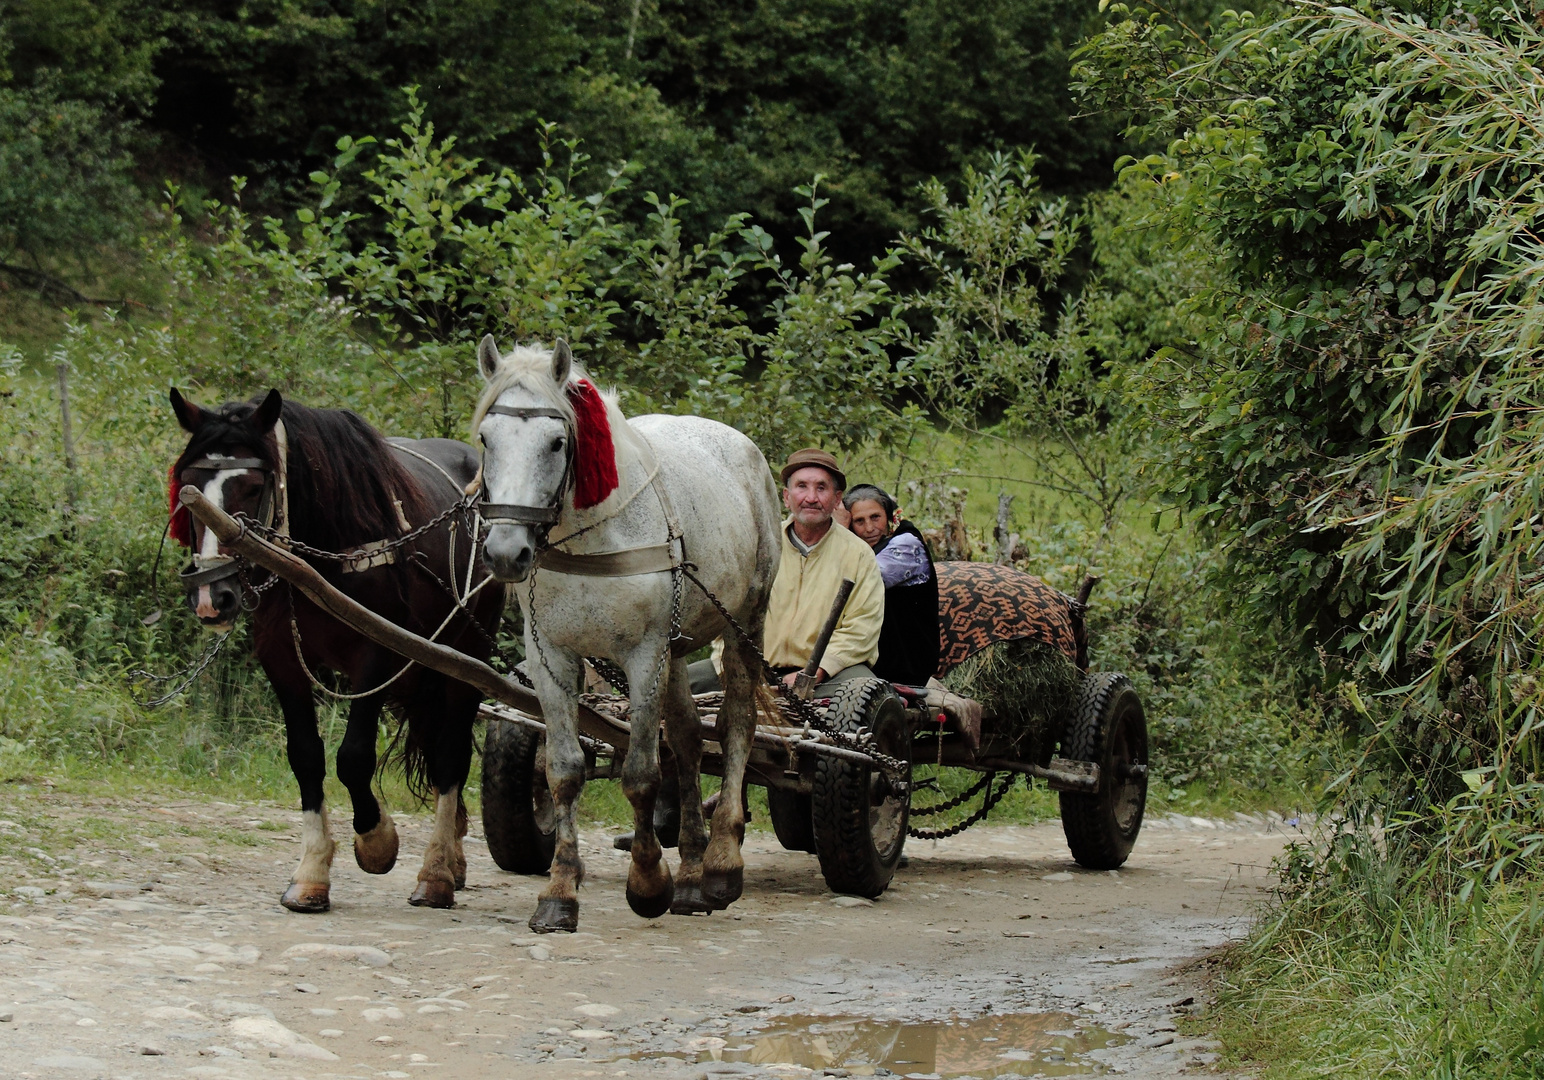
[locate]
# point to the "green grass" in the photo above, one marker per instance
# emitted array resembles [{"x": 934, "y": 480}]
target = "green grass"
[
  {"x": 1411, "y": 983},
  {"x": 937, "y": 461}
]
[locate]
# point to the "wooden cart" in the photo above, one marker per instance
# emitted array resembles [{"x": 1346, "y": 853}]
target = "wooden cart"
[{"x": 827, "y": 794}]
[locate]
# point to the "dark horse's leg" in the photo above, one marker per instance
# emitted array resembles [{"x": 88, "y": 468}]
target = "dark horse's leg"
[
  {"x": 309, "y": 887},
  {"x": 375, "y": 834},
  {"x": 450, "y": 758}
]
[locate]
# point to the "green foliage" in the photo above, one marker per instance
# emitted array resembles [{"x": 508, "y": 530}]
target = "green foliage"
[
  {"x": 449, "y": 250},
  {"x": 879, "y": 97},
  {"x": 989, "y": 348},
  {"x": 731, "y": 105},
  {"x": 64, "y": 176},
  {"x": 1362, "y": 428},
  {"x": 1365, "y": 969},
  {"x": 97, "y": 52},
  {"x": 1380, "y": 390}
]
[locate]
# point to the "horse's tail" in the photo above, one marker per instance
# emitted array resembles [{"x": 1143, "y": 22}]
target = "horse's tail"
[
  {"x": 767, "y": 710},
  {"x": 408, "y": 749}
]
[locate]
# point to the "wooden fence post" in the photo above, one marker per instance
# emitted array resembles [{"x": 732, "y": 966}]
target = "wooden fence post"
[
  {"x": 1001, "y": 537},
  {"x": 72, "y": 489}
]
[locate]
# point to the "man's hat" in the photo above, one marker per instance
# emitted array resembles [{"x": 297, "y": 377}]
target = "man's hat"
[{"x": 801, "y": 459}]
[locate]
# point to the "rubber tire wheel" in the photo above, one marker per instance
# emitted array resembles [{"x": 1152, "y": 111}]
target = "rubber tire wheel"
[
  {"x": 843, "y": 802},
  {"x": 1109, "y": 728},
  {"x": 517, "y": 813},
  {"x": 792, "y": 819}
]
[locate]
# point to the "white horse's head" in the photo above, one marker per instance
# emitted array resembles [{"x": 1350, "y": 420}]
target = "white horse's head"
[{"x": 526, "y": 424}]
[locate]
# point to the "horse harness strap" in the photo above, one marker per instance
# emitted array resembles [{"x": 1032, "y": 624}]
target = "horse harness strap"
[
  {"x": 384, "y": 552},
  {"x": 658, "y": 559},
  {"x": 654, "y": 559},
  {"x": 515, "y": 514}
]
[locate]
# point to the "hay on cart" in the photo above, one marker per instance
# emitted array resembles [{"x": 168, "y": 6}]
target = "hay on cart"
[{"x": 1013, "y": 643}]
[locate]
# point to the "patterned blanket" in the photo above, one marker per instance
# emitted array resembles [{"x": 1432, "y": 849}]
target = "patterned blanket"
[{"x": 983, "y": 603}]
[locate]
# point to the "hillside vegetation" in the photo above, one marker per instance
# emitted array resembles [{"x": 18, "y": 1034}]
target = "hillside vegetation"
[{"x": 1238, "y": 310}]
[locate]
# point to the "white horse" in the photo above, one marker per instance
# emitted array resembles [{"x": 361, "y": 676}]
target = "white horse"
[{"x": 594, "y": 515}]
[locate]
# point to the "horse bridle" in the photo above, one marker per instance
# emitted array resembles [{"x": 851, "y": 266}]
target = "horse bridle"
[
  {"x": 206, "y": 570},
  {"x": 542, "y": 517}
]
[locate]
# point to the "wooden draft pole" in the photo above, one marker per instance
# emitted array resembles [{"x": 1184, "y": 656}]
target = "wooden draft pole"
[
  {"x": 303, "y": 576},
  {"x": 447, "y": 661}
]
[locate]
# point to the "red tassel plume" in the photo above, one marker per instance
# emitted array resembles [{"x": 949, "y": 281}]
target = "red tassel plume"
[
  {"x": 182, "y": 524},
  {"x": 595, "y": 456}
]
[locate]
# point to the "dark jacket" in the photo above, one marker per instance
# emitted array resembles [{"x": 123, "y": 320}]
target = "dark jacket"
[{"x": 908, "y": 641}]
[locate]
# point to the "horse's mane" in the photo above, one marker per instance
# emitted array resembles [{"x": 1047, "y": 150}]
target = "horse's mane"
[
  {"x": 343, "y": 476},
  {"x": 594, "y": 416},
  {"x": 530, "y": 368}
]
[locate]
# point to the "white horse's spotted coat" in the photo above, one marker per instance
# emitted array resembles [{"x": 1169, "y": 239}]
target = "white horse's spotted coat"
[{"x": 680, "y": 478}]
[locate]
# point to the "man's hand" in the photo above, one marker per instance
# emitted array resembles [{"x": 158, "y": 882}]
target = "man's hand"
[
  {"x": 841, "y": 515},
  {"x": 820, "y": 677}
]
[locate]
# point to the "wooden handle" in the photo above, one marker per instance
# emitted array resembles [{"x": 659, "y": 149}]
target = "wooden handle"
[
  {"x": 1086, "y": 590},
  {"x": 843, "y": 591}
]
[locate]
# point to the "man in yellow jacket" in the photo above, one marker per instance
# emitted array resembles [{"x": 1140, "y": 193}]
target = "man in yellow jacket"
[{"x": 817, "y": 554}]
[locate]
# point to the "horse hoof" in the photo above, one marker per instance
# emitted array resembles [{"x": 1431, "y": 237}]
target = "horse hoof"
[
  {"x": 650, "y": 907},
  {"x": 553, "y": 916},
  {"x": 461, "y": 880},
  {"x": 690, "y": 901},
  {"x": 307, "y": 898},
  {"x": 376, "y": 850},
  {"x": 433, "y": 893},
  {"x": 722, "y": 889}
]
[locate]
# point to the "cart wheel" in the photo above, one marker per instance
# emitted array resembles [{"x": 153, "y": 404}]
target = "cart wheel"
[
  {"x": 517, "y": 813},
  {"x": 1109, "y": 728},
  {"x": 792, "y": 819},
  {"x": 859, "y": 825}
]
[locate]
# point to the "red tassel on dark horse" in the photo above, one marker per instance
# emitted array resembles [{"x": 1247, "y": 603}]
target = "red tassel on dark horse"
[
  {"x": 182, "y": 525},
  {"x": 595, "y": 458}
]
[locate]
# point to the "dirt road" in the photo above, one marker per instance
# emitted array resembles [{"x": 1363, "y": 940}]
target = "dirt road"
[{"x": 145, "y": 939}]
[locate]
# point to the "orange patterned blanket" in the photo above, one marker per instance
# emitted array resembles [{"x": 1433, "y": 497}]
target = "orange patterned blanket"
[{"x": 983, "y": 603}]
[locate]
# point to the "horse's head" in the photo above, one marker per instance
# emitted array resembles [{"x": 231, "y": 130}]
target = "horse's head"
[
  {"x": 526, "y": 424},
  {"x": 230, "y": 458}
]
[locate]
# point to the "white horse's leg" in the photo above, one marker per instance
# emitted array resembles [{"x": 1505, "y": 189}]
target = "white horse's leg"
[
  {"x": 723, "y": 870},
  {"x": 683, "y": 728},
  {"x": 649, "y": 888},
  {"x": 556, "y": 676}
]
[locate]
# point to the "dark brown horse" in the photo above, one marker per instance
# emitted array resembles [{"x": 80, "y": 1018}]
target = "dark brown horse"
[{"x": 326, "y": 479}]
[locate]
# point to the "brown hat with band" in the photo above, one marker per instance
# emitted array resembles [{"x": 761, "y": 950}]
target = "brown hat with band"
[{"x": 811, "y": 456}]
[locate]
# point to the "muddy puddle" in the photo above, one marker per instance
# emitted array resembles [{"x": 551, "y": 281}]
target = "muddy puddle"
[{"x": 1017, "y": 1044}]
